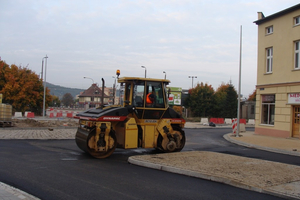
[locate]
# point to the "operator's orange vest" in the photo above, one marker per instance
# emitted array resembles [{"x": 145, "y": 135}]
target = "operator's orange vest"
[{"x": 148, "y": 100}]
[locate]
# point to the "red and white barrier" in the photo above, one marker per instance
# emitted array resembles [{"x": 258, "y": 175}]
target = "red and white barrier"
[
  {"x": 242, "y": 126},
  {"x": 61, "y": 113},
  {"x": 18, "y": 114},
  {"x": 70, "y": 115},
  {"x": 234, "y": 126},
  {"x": 30, "y": 115}
]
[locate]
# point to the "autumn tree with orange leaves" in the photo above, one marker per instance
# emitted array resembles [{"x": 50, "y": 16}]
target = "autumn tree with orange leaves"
[
  {"x": 252, "y": 97},
  {"x": 22, "y": 88},
  {"x": 225, "y": 101},
  {"x": 220, "y": 99}
]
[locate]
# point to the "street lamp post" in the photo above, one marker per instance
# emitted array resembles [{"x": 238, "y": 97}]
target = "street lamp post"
[
  {"x": 42, "y": 68},
  {"x": 92, "y": 85},
  {"x": 89, "y": 78},
  {"x": 192, "y": 80},
  {"x": 239, "y": 94},
  {"x": 114, "y": 90},
  {"x": 44, "y": 100},
  {"x": 145, "y": 70},
  {"x": 165, "y": 74}
]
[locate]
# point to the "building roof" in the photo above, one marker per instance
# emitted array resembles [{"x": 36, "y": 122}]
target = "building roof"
[
  {"x": 93, "y": 91},
  {"x": 276, "y": 15}
]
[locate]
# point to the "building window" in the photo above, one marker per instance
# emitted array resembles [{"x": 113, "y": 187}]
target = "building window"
[
  {"x": 269, "y": 53},
  {"x": 297, "y": 20},
  {"x": 297, "y": 55},
  {"x": 268, "y": 109},
  {"x": 269, "y": 30}
]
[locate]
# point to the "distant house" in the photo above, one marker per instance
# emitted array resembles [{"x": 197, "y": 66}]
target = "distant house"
[
  {"x": 92, "y": 97},
  {"x": 277, "y": 110}
]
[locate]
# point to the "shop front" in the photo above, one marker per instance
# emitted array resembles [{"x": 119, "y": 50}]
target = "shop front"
[
  {"x": 278, "y": 112},
  {"x": 294, "y": 101}
]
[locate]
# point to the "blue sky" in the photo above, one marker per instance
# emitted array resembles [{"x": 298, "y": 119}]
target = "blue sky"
[{"x": 95, "y": 38}]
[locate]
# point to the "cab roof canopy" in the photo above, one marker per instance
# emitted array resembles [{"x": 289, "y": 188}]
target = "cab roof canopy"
[{"x": 128, "y": 79}]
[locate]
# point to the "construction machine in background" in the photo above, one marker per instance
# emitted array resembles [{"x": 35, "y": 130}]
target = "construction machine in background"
[{"x": 137, "y": 123}]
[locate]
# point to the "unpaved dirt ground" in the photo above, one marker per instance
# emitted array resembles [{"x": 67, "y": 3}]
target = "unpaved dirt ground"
[
  {"x": 27, "y": 123},
  {"x": 236, "y": 170}
]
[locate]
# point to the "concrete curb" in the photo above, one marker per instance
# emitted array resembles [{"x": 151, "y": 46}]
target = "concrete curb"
[
  {"x": 230, "y": 139},
  {"x": 9, "y": 192},
  {"x": 209, "y": 177}
]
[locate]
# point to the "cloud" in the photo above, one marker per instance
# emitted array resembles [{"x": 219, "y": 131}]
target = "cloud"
[{"x": 94, "y": 38}]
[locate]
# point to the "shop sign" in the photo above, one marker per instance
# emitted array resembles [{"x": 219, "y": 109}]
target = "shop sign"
[
  {"x": 268, "y": 98},
  {"x": 175, "y": 95},
  {"x": 294, "y": 98}
]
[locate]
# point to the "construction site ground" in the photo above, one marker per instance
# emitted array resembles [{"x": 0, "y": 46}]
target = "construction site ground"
[{"x": 43, "y": 122}]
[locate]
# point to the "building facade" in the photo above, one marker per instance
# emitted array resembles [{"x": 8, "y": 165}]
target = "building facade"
[
  {"x": 277, "y": 111},
  {"x": 247, "y": 110},
  {"x": 92, "y": 97}
]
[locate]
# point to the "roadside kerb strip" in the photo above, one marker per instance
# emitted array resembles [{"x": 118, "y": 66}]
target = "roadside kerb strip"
[
  {"x": 10, "y": 191},
  {"x": 205, "y": 176},
  {"x": 229, "y": 137}
]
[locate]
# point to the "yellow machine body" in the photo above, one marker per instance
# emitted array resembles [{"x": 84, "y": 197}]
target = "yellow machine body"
[{"x": 135, "y": 124}]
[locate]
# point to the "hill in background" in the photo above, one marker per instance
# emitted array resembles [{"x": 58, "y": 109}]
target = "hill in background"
[{"x": 59, "y": 91}]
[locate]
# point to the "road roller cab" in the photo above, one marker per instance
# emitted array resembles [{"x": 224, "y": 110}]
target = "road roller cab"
[{"x": 143, "y": 121}]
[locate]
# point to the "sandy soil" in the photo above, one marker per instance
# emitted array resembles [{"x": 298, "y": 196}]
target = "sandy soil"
[
  {"x": 247, "y": 171},
  {"x": 26, "y": 123}
]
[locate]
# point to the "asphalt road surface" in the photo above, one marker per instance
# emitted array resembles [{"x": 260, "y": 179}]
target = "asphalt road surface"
[
  {"x": 212, "y": 140},
  {"x": 58, "y": 169}
]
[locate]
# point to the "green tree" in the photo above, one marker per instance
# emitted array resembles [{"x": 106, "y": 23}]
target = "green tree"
[
  {"x": 55, "y": 102},
  {"x": 67, "y": 99},
  {"x": 22, "y": 88},
  {"x": 200, "y": 100},
  {"x": 230, "y": 109}
]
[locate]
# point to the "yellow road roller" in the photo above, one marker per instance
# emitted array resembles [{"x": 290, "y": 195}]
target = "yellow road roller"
[{"x": 144, "y": 120}]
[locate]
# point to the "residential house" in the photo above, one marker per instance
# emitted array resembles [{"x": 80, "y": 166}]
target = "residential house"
[{"x": 92, "y": 97}]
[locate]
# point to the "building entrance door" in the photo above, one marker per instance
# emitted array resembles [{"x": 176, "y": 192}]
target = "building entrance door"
[{"x": 296, "y": 121}]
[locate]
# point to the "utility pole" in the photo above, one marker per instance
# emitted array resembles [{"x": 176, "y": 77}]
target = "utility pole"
[
  {"x": 239, "y": 95},
  {"x": 44, "y": 100}
]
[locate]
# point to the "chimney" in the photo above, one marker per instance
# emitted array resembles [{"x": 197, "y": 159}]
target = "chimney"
[{"x": 260, "y": 15}]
